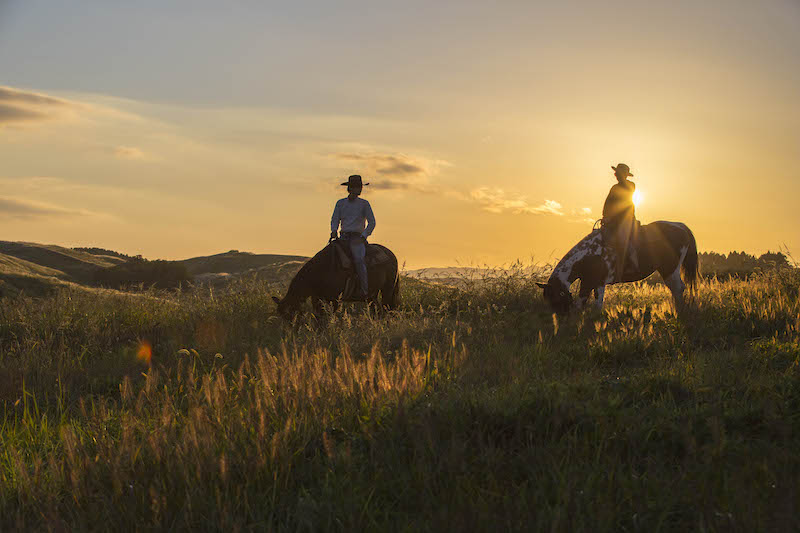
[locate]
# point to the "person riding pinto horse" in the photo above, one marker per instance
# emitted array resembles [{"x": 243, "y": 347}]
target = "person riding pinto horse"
[
  {"x": 600, "y": 258},
  {"x": 620, "y": 226}
]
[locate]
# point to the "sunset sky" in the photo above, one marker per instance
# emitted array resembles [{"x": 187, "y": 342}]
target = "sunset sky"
[{"x": 487, "y": 129}]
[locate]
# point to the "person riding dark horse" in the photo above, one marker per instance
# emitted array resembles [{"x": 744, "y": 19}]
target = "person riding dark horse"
[
  {"x": 357, "y": 222},
  {"x": 619, "y": 219}
]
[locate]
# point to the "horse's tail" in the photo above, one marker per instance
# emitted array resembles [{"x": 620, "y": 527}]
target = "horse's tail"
[{"x": 691, "y": 264}]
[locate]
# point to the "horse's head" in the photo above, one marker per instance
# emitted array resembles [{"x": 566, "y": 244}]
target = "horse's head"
[
  {"x": 557, "y": 295},
  {"x": 287, "y": 309}
]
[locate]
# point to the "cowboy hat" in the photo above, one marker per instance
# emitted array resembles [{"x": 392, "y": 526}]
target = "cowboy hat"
[
  {"x": 354, "y": 181},
  {"x": 625, "y": 169}
]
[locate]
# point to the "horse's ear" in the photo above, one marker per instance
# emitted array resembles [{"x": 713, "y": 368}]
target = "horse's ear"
[
  {"x": 276, "y": 299},
  {"x": 542, "y": 285}
]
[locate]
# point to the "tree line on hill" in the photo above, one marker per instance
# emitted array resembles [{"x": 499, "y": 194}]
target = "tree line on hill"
[
  {"x": 740, "y": 264},
  {"x": 102, "y": 251}
]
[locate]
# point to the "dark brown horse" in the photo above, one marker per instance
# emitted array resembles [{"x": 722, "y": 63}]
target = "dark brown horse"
[
  {"x": 666, "y": 247},
  {"x": 319, "y": 280}
]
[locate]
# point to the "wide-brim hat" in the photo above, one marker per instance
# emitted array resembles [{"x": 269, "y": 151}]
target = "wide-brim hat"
[
  {"x": 354, "y": 181},
  {"x": 624, "y": 168}
]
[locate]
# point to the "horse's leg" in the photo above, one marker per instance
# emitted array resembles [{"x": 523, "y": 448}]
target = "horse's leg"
[
  {"x": 674, "y": 282},
  {"x": 385, "y": 294},
  {"x": 583, "y": 296},
  {"x": 599, "y": 293},
  {"x": 676, "y": 286}
]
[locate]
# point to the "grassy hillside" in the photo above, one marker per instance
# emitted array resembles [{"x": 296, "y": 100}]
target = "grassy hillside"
[
  {"x": 77, "y": 265},
  {"x": 469, "y": 409},
  {"x": 38, "y": 269},
  {"x": 10, "y": 265},
  {"x": 20, "y": 276}
]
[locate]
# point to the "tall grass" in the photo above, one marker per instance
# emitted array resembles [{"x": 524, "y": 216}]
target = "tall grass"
[{"x": 471, "y": 408}]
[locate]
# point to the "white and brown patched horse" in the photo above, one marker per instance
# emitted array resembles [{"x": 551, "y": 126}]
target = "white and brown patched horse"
[{"x": 666, "y": 247}]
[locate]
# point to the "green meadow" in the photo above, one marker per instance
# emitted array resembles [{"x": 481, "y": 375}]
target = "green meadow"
[{"x": 471, "y": 408}]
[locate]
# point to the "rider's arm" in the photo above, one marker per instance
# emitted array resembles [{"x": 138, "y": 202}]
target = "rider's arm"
[
  {"x": 370, "y": 221},
  {"x": 335, "y": 218}
]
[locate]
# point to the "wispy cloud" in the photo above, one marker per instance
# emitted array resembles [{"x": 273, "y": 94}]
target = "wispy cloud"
[
  {"x": 582, "y": 215},
  {"x": 11, "y": 207},
  {"x": 496, "y": 200},
  {"x": 393, "y": 171},
  {"x": 128, "y": 152},
  {"x": 17, "y": 105}
]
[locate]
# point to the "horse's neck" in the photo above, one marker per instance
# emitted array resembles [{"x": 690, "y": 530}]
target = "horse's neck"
[
  {"x": 563, "y": 272},
  {"x": 299, "y": 288},
  {"x": 565, "y": 269}
]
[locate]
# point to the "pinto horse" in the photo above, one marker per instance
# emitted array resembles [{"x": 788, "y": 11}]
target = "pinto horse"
[
  {"x": 322, "y": 283},
  {"x": 666, "y": 247}
]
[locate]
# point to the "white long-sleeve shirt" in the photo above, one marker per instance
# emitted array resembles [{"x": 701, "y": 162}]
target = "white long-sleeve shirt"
[{"x": 353, "y": 215}]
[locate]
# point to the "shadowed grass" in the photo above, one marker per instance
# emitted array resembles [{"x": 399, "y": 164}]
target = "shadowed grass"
[{"x": 471, "y": 408}]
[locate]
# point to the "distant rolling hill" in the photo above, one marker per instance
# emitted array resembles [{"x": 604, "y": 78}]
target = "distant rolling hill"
[
  {"x": 221, "y": 267},
  {"x": 73, "y": 265},
  {"x": 39, "y": 268}
]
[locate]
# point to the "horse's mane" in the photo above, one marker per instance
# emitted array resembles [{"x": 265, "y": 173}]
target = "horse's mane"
[
  {"x": 306, "y": 270},
  {"x": 566, "y": 262},
  {"x": 302, "y": 275},
  {"x": 580, "y": 246}
]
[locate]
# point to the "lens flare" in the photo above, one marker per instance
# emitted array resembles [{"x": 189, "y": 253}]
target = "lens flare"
[{"x": 144, "y": 352}]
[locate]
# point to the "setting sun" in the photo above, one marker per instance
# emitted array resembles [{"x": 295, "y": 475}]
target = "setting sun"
[
  {"x": 637, "y": 198},
  {"x": 132, "y": 161},
  {"x": 394, "y": 255}
]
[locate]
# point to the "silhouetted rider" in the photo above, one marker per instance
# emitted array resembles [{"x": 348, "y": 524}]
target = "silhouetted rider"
[
  {"x": 619, "y": 218},
  {"x": 354, "y": 214}
]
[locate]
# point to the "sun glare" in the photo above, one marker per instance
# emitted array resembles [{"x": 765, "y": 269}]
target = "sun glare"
[
  {"x": 637, "y": 198},
  {"x": 144, "y": 352}
]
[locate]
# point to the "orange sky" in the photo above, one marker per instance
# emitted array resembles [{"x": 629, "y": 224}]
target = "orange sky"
[{"x": 487, "y": 131}]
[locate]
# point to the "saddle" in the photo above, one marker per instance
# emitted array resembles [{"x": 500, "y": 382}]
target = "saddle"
[
  {"x": 342, "y": 260},
  {"x": 641, "y": 238}
]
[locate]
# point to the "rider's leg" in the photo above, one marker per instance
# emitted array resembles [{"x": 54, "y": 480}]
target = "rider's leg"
[
  {"x": 359, "y": 250},
  {"x": 622, "y": 244},
  {"x": 634, "y": 257}
]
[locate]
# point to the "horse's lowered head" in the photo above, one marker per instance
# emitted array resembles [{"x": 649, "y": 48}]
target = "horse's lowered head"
[
  {"x": 557, "y": 295},
  {"x": 287, "y": 308}
]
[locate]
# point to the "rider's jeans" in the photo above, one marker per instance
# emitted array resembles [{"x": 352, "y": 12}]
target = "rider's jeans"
[{"x": 358, "y": 248}]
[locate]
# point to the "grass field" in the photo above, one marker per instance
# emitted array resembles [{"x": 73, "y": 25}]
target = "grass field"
[{"x": 472, "y": 408}]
